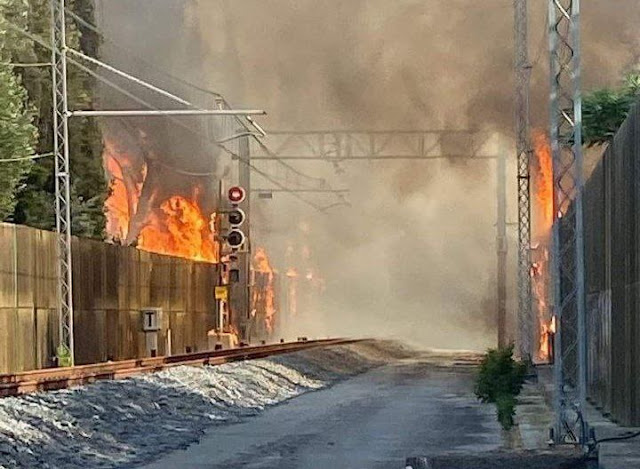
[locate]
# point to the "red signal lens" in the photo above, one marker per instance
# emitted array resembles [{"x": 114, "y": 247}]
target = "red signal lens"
[{"x": 236, "y": 194}]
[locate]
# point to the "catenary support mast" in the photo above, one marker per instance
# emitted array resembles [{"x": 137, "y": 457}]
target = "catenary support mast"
[
  {"x": 568, "y": 233},
  {"x": 523, "y": 150},
  {"x": 62, "y": 178}
]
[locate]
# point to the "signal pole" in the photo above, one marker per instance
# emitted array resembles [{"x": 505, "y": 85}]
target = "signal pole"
[{"x": 243, "y": 303}]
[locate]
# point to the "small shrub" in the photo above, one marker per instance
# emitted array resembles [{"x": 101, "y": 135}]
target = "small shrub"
[
  {"x": 506, "y": 410},
  {"x": 499, "y": 381}
]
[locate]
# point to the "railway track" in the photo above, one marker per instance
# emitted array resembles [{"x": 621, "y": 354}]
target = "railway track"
[{"x": 60, "y": 378}]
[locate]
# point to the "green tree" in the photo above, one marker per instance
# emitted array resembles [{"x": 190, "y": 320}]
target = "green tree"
[
  {"x": 18, "y": 135},
  {"x": 17, "y": 138},
  {"x": 604, "y": 110},
  {"x": 35, "y": 202}
]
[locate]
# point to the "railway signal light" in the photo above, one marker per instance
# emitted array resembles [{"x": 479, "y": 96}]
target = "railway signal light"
[
  {"x": 235, "y": 237},
  {"x": 236, "y": 217},
  {"x": 236, "y": 195}
]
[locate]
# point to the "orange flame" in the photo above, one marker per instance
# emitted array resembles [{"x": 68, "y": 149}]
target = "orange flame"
[
  {"x": 124, "y": 192},
  {"x": 543, "y": 209},
  {"x": 544, "y": 181},
  {"x": 264, "y": 296},
  {"x": 179, "y": 230},
  {"x": 177, "y": 227}
]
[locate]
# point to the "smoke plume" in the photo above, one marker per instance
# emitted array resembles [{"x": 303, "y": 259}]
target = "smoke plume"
[{"x": 414, "y": 256}]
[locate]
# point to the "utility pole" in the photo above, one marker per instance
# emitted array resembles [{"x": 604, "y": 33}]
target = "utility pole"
[
  {"x": 62, "y": 182},
  {"x": 523, "y": 154},
  {"x": 243, "y": 303},
  {"x": 570, "y": 364},
  {"x": 501, "y": 246}
]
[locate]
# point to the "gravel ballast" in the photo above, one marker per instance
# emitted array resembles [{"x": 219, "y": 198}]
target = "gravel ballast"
[{"x": 128, "y": 422}]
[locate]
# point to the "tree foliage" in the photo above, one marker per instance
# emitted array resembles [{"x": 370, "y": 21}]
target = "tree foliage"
[
  {"x": 499, "y": 381},
  {"x": 17, "y": 138},
  {"x": 18, "y": 135},
  {"x": 35, "y": 202},
  {"x": 604, "y": 110}
]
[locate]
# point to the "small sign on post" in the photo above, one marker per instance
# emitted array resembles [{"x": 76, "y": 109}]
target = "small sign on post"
[
  {"x": 151, "y": 324},
  {"x": 222, "y": 293},
  {"x": 150, "y": 319}
]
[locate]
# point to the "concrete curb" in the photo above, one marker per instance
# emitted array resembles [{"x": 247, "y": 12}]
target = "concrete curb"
[{"x": 534, "y": 417}]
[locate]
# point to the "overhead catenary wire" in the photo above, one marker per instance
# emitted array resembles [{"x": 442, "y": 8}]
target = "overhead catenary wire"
[
  {"x": 76, "y": 63},
  {"x": 95, "y": 29},
  {"x": 26, "y": 64},
  {"x": 138, "y": 58},
  {"x": 234, "y": 155},
  {"x": 195, "y": 132},
  {"x": 541, "y": 45},
  {"x": 26, "y": 158}
]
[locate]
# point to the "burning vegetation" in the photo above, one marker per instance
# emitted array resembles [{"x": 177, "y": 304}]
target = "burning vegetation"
[
  {"x": 263, "y": 295},
  {"x": 156, "y": 207},
  {"x": 542, "y": 210},
  {"x": 141, "y": 212}
]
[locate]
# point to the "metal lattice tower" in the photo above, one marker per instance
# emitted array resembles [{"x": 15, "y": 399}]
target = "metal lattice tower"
[
  {"x": 568, "y": 235},
  {"x": 62, "y": 176},
  {"x": 523, "y": 149}
]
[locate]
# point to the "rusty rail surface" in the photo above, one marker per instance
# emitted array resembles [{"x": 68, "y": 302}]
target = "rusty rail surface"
[{"x": 59, "y": 378}]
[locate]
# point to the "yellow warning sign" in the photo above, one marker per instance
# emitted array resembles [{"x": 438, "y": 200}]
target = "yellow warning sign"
[{"x": 221, "y": 293}]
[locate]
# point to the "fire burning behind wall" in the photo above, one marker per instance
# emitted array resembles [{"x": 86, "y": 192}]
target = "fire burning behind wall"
[
  {"x": 170, "y": 224},
  {"x": 263, "y": 295},
  {"x": 124, "y": 194},
  {"x": 542, "y": 210},
  {"x": 179, "y": 229}
]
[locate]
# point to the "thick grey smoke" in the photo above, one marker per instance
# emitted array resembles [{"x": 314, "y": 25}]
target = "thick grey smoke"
[{"x": 415, "y": 255}]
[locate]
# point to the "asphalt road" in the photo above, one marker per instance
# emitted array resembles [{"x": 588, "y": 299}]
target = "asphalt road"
[{"x": 372, "y": 421}]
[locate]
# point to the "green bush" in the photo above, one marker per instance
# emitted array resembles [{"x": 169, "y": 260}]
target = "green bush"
[
  {"x": 604, "y": 110},
  {"x": 506, "y": 410},
  {"x": 499, "y": 381}
]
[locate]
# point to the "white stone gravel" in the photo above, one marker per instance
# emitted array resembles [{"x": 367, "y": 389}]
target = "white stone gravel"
[{"x": 128, "y": 422}]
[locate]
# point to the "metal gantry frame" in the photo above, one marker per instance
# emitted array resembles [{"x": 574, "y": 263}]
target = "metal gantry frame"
[
  {"x": 523, "y": 154},
  {"x": 568, "y": 231},
  {"x": 339, "y": 145}
]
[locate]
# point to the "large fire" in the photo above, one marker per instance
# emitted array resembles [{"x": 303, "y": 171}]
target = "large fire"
[
  {"x": 179, "y": 229},
  {"x": 544, "y": 182},
  {"x": 174, "y": 226},
  {"x": 125, "y": 186},
  {"x": 543, "y": 222}
]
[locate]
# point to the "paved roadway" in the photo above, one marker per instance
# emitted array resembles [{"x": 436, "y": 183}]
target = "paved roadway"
[{"x": 372, "y": 421}]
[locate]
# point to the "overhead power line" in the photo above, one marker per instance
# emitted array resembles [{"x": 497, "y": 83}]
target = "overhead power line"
[
  {"x": 27, "y": 65},
  {"x": 144, "y": 103},
  {"x": 187, "y": 83},
  {"x": 26, "y": 158}
]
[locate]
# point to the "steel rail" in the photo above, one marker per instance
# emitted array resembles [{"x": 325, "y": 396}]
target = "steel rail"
[{"x": 60, "y": 378}]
